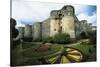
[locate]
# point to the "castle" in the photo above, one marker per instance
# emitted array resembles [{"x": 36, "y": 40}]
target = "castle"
[{"x": 63, "y": 20}]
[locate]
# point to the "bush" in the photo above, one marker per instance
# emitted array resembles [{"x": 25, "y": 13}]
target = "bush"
[
  {"x": 61, "y": 38},
  {"x": 47, "y": 40},
  {"x": 27, "y": 39},
  {"x": 37, "y": 40}
]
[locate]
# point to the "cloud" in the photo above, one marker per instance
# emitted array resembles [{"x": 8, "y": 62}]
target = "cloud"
[
  {"x": 19, "y": 24},
  {"x": 28, "y": 12},
  {"x": 90, "y": 19}
]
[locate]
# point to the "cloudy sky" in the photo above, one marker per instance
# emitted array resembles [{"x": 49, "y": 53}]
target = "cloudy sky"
[{"x": 28, "y": 12}]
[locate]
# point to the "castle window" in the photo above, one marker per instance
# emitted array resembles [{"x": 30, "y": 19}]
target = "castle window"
[
  {"x": 55, "y": 18},
  {"x": 54, "y": 29},
  {"x": 60, "y": 16}
]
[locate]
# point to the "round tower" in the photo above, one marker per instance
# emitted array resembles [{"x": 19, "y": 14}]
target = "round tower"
[
  {"x": 28, "y": 33},
  {"x": 21, "y": 32},
  {"x": 68, "y": 25},
  {"x": 37, "y": 32},
  {"x": 55, "y": 22}
]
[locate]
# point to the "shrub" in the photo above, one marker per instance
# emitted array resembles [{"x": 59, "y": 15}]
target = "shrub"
[
  {"x": 61, "y": 38},
  {"x": 27, "y": 39},
  {"x": 37, "y": 40},
  {"x": 47, "y": 40}
]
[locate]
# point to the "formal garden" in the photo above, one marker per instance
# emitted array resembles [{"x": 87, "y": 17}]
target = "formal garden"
[{"x": 56, "y": 50}]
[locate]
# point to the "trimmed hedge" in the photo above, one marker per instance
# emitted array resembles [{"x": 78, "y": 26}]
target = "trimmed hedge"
[{"x": 61, "y": 38}]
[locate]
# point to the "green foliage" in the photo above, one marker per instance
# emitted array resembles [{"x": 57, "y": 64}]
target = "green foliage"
[
  {"x": 61, "y": 38},
  {"x": 84, "y": 43},
  {"x": 37, "y": 40},
  {"x": 86, "y": 49},
  {"x": 36, "y": 54},
  {"x": 26, "y": 45},
  {"x": 27, "y": 39},
  {"x": 84, "y": 35},
  {"x": 93, "y": 37},
  {"x": 47, "y": 40}
]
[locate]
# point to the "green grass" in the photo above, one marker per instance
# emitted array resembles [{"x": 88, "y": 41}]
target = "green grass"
[
  {"x": 30, "y": 56},
  {"x": 31, "y": 53},
  {"x": 29, "y": 45},
  {"x": 86, "y": 48},
  {"x": 18, "y": 56}
]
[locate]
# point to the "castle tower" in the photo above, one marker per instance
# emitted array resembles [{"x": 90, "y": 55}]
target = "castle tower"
[
  {"x": 55, "y": 22},
  {"x": 86, "y": 27},
  {"x": 21, "y": 32},
  {"x": 63, "y": 21},
  {"x": 28, "y": 31},
  {"x": 45, "y": 28},
  {"x": 37, "y": 32},
  {"x": 68, "y": 24}
]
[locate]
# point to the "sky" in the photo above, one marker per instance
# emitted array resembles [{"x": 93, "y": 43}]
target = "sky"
[{"x": 29, "y": 12}]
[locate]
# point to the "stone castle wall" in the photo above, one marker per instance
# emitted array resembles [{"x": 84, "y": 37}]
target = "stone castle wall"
[
  {"x": 28, "y": 31},
  {"x": 21, "y": 32},
  {"x": 86, "y": 27},
  {"x": 46, "y": 28},
  {"x": 63, "y": 20},
  {"x": 36, "y": 30}
]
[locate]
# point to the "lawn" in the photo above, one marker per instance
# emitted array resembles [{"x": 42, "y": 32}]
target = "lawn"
[
  {"x": 87, "y": 49},
  {"x": 32, "y": 52}
]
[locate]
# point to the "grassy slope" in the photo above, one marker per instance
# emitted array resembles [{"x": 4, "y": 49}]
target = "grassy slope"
[{"x": 87, "y": 49}]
